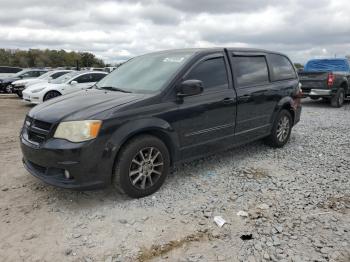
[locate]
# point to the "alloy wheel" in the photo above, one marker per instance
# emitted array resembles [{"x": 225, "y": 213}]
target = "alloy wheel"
[
  {"x": 283, "y": 129},
  {"x": 146, "y": 168}
]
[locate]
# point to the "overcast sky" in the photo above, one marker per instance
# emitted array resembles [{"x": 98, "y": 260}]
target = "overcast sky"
[{"x": 117, "y": 30}]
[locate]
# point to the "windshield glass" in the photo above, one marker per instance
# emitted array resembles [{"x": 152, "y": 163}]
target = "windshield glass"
[
  {"x": 20, "y": 73},
  {"x": 65, "y": 78},
  {"x": 147, "y": 73},
  {"x": 46, "y": 75}
]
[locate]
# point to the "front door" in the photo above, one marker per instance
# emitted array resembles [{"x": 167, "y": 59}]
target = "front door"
[{"x": 209, "y": 116}]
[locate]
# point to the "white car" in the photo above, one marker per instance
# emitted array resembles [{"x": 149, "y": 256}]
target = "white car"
[
  {"x": 66, "y": 84},
  {"x": 19, "y": 85}
]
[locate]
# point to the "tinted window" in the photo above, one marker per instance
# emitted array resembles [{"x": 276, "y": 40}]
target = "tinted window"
[
  {"x": 211, "y": 72},
  {"x": 281, "y": 68},
  {"x": 97, "y": 77},
  {"x": 251, "y": 70},
  {"x": 87, "y": 78}
]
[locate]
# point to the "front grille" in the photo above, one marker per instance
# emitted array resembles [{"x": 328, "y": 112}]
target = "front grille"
[{"x": 37, "y": 130}]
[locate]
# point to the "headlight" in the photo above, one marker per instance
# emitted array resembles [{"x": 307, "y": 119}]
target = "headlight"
[
  {"x": 78, "y": 131},
  {"x": 38, "y": 90}
]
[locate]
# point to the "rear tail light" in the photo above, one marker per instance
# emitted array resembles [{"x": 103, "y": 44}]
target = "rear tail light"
[{"x": 330, "y": 80}]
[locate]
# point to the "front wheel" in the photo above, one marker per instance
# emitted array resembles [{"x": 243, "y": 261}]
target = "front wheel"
[
  {"x": 51, "y": 94},
  {"x": 281, "y": 129},
  {"x": 338, "y": 99},
  {"x": 141, "y": 167}
]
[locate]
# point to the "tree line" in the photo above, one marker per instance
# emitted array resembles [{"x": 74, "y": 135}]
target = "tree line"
[{"x": 48, "y": 58}]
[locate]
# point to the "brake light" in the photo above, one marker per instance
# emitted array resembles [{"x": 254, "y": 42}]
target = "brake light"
[{"x": 330, "y": 80}]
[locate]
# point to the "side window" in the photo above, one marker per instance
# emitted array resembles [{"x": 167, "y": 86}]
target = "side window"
[
  {"x": 97, "y": 77},
  {"x": 41, "y": 73},
  {"x": 251, "y": 70},
  {"x": 84, "y": 79},
  {"x": 211, "y": 72},
  {"x": 281, "y": 67}
]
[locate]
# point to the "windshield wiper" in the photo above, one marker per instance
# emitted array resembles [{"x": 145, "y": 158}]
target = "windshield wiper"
[{"x": 112, "y": 88}]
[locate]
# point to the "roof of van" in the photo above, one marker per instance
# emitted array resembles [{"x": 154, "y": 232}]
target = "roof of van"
[{"x": 220, "y": 49}]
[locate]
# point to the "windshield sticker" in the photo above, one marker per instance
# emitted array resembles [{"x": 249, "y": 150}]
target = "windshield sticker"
[{"x": 174, "y": 59}]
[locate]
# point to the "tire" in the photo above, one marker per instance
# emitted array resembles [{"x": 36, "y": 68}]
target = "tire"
[
  {"x": 8, "y": 89},
  {"x": 281, "y": 130},
  {"x": 129, "y": 172},
  {"x": 338, "y": 99},
  {"x": 19, "y": 94},
  {"x": 51, "y": 94}
]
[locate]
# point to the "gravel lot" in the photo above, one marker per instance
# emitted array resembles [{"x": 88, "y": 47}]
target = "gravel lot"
[{"x": 296, "y": 199}]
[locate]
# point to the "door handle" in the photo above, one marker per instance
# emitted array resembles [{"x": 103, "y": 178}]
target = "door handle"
[
  {"x": 245, "y": 97},
  {"x": 228, "y": 101}
]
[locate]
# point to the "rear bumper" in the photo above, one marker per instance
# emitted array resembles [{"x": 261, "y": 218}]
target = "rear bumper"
[{"x": 317, "y": 92}]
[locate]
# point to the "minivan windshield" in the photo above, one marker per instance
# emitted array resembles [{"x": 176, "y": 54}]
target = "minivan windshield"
[
  {"x": 65, "y": 78},
  {"x": 147, "y": 73}
]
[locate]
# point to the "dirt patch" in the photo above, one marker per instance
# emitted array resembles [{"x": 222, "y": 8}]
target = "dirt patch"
[
  {"x": 154, "y": 251},
  {"x": 255, "y": 172},
  {"x": 340, "y": 204}
]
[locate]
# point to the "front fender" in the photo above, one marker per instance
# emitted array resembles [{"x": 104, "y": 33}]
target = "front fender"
[{"x": 151, "y": 125}]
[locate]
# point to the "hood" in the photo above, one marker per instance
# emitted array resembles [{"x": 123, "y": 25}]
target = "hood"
[
  {"x": 81, "y": 105},
  {"x": 37, "y": 86},
  {"x": 9, "y": 79},
  {"x": 29, "y": 81}
]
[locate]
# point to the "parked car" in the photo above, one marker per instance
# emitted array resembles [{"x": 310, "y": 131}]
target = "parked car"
[
  {"x": 328, "y": 79},
  {"x": 68, "y": 83},
  {"x": 7, "y": 71},
  {"x": 5, "y": 83},
  {"x": 159, "y": 109},
  {"x": 18, "y": 86}
]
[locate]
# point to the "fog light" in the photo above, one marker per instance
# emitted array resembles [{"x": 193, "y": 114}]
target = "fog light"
[{"x": 66, "y": 174}]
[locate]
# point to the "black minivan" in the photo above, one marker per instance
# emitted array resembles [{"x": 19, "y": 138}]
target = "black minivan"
[{"x": 158, "y": 109}]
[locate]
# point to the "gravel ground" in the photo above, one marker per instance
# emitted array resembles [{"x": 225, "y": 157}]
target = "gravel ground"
[{"x": 296, "y": 203}]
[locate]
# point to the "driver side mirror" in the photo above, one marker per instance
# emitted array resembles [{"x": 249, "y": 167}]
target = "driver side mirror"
[
  {"x": 73, "y": 82},
  {"x": 190, "y": 88}
]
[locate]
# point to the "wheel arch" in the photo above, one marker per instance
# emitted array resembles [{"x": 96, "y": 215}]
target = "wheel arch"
[
  {"x": 51, "y": 90},
  {"x": 287, "y": 104},
  {"x": 154, "y": 127}
]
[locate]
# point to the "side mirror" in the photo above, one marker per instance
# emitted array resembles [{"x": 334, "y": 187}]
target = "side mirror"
[
  {"x": 190, "y": 88},
  {"x": 73, "y": 82}
]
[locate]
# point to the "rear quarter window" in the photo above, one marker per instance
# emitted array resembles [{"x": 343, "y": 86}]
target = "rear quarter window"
[{"x": 281, "y": 68}]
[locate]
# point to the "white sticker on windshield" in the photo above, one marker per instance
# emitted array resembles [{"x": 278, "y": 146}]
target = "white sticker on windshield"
[{"x": 173, "y": 59}]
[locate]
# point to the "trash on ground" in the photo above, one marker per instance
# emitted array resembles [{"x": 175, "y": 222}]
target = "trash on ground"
[{"x": 219, "y": 221}]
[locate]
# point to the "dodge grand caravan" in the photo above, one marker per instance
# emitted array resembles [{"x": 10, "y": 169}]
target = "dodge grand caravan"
[{"x": 159, "y": 109}]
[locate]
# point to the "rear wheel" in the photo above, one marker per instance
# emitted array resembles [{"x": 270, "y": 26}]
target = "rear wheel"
[
  {"x": 281, "y": 129},
  {"x": 338, "y": 99},
  {"x": 142, "y": 166},
  {"x": 51, "y": 94}
]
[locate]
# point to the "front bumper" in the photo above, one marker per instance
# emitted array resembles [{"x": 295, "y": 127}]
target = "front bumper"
[
  {"x": 87, "y": 164},
  {"x": 18, "y": 89},
  {"x": 29, "y": 97}
]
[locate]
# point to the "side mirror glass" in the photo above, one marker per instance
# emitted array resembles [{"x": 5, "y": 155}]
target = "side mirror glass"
[
  {"x": 190, "y": 88},
  {"x": 73, "y": 82}
]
